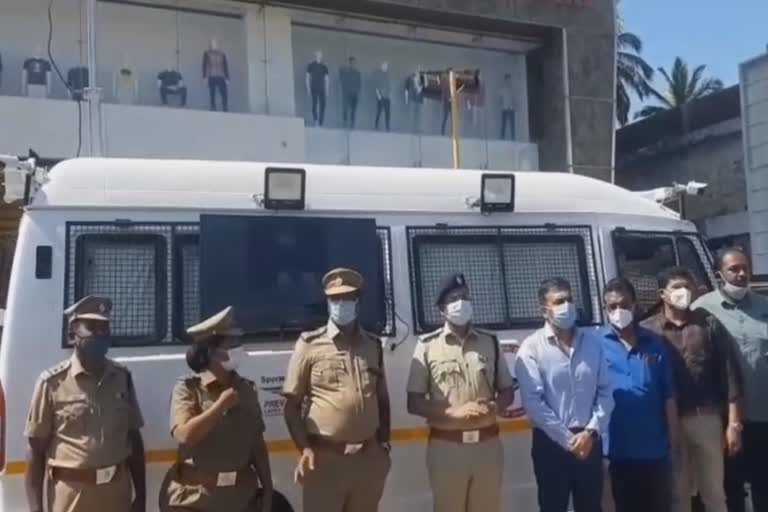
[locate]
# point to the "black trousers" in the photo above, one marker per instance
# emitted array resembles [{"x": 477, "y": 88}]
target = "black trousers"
[
  {"x": 446, "y": 114},
  {"x": 181, "y": 92},
  {"x": 383, "y": 106},
  {"x": 318, "y": 106},
  {"x": 218, "y": 84},
  {"x": 349, "y": 109},
  {"x": 641, "y": 486},
  {"x": 560, "y": 476},
  {"x": 508, "y": 118}
]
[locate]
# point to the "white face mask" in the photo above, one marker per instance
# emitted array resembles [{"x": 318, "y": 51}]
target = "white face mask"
[
  {"x": 236, "y": 356},
  {"x": 342, "y": 312},
  {"x": 621, "y": 318},
  {"x": 680, "y": 298},
  {"x": 459, "y": 312},
  {"x": 733, "y": 291}
]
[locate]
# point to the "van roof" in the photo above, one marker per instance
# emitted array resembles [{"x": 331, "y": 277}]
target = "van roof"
[{"x": 192, "y": 184}]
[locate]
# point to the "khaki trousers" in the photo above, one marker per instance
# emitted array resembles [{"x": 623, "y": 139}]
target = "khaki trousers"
[
  {"x": 465, "y": 477},
  {"x": 346, "y": 483},
  {"x": 701, "y": 466},
  {"x": 115, "y": 496}
]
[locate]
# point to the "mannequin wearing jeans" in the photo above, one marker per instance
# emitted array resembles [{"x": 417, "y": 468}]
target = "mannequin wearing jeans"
[
  {"x": 507, "y": 100},
  {"x": 216, "y": 73},
  {"x": 318, "y": 85},
  {"x": 383, "y": 94},
  {"x": 351, "y": 82}
]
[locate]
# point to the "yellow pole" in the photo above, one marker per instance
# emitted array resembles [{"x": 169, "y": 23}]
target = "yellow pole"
[{"x": 455, "y": 118}]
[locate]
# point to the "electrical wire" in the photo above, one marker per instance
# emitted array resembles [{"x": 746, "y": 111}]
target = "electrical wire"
[
  {"x": 61, "y": 77},
  {"x": 402, "y": 340}
]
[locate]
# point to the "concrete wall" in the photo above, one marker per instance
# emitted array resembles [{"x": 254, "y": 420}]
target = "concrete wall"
[
  {"x": 713, "y": 156},
  {"x": 754, "y": 94}
]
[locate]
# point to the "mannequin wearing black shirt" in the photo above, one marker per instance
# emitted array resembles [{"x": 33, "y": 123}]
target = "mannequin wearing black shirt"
[
  {"x": 77, "y": 82},
  {"x": 318, "y": 82},
  {"x": 171, "y": 83},
  {"x": 36, "y": 76}
]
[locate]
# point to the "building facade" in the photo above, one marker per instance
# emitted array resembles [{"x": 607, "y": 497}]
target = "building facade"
[
  {"x": 703, "y": 143},
  {"x": 545, "y": 100}
]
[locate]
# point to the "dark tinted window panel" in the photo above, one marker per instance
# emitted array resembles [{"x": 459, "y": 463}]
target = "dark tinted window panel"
[{"x": 270, "y": 269}]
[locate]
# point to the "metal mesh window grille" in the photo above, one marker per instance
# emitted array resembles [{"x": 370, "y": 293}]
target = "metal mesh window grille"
[
  {"x": 504, "y": 268},
  {"x": 129, "y": 265},
  {"x": 531, "y": 263},
  {"x": 641, "y": 256}
]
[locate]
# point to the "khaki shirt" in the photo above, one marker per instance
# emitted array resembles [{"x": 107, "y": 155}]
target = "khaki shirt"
[
  {"x": 453, "y": 373},
  {"x": 338, "y": 377},
  {"x": 86, "y": 421},
  {"x": 230, "y": 445}
]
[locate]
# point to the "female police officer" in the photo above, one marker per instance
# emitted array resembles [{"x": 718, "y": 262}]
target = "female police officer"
[{"x": 216, "y": 418}]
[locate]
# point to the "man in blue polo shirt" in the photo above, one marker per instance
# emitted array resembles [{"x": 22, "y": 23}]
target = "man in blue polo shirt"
[{"x": 644, "y": 422}]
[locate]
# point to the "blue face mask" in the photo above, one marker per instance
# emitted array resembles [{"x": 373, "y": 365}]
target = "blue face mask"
[
  {"x": 342, "y": 312},
  {"x": 564, "y": 315},
  {"x": 94, "y": 348}
]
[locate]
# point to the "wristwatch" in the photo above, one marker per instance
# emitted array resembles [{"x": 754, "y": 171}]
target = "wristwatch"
[{"x": 387, "y": 446}]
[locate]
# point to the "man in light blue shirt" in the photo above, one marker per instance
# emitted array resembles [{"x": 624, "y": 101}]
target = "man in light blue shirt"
[{"x": 564, "y": 386}]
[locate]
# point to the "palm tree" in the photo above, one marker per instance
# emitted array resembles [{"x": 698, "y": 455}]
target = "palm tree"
[
  {"x": 682, "y": 87},
  {"x": 632, "y": 72}
]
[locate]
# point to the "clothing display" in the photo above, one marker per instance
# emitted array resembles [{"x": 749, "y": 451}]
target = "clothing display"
[
  {"x": 383, "y": 106},
  {"x": 382, "y": 86},
  {"x": 172, "y": 84},
  {"x": 126, "y": 87},
  {"x": 37, "y": 71},
  {"x": 508, "y": 119},
  {"x": 507, "y": 101},
  {"x": 216, "y": 70},
  {"x": 77, "y": 82},
  {"x": 351, "y": 83},
  {"x": 317, "y": 74}
]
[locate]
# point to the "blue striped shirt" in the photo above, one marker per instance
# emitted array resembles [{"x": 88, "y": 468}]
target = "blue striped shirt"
[{"x": 561, "y": 389}]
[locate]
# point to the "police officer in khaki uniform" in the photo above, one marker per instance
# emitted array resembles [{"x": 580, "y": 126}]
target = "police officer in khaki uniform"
[
  {"x": 222, "y": 462},
  {"x": 338, "y": 371},
  {"x": 459, "y": 381},
  {"x": 83, "y": 425}
]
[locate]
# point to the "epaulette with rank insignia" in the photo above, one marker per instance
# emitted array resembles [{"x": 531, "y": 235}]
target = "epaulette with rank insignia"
[
  {"x": 311, "y": 335},
  {"x": 430, "y": 336},
  {"x": 56, "y": 370}
]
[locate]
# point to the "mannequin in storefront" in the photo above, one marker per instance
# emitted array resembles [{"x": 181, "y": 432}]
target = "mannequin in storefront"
[
  {"x": 475, "y": 102},
  {"x": 383, "y": 89},
  {"x": 318, "y": 84},
  {"x": 171, "y": 83},
  {"x": 507, "y": 104},
  {"x": 351, "y": 82},
  {"x": 216, "y": 74},
  {"x": 36, "y": 75},
  {"x": 414, "y": 97},
  {"x": 126, "y": 84},
  {"x": 77, "y": 82}
]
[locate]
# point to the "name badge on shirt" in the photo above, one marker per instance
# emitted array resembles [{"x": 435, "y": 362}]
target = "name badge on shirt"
[
  {"x": 470, "y": 437},
  {"x": 227, "y": 479},
  {"x": 105, "y": 475}
]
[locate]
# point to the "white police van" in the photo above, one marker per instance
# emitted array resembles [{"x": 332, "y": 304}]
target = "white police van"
[{"x": 172, "y": 241}]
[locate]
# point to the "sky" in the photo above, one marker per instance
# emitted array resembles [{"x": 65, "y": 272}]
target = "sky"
[{"x": 719, "y": 33}]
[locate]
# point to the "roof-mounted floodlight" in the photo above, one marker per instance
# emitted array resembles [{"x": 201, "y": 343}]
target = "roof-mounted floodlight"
[
  {"x": 284, "y": 188},
  {"x": 497, "y": 193}
]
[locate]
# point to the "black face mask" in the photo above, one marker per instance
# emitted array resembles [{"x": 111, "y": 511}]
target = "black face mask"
[{"x": 94, "y": 348}]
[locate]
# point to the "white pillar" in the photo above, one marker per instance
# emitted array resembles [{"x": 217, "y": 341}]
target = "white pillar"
[{"x": 92, "y": 105}]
